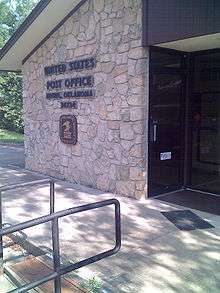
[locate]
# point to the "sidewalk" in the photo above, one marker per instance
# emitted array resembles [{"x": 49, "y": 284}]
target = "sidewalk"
[{"x": 155, "y": 255}]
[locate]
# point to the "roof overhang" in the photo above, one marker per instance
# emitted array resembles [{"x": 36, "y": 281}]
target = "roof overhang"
[
  {"x": 171, "y": 20},
  {"x": 205, "y": 42},
  {"x": 38, "y": 26}
]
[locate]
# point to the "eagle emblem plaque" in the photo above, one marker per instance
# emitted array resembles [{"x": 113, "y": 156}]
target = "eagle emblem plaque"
[{"x": 68, "y": 129}]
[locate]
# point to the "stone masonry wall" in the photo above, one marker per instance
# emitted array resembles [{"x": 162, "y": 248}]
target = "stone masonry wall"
[{"x": 111, "y": 151}]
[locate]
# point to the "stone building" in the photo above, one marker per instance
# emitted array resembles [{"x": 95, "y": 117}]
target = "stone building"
[{"x": 108, "y": 95}]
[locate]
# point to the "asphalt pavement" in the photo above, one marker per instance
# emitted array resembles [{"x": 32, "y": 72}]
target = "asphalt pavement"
[{"x": 12, "y": 155}]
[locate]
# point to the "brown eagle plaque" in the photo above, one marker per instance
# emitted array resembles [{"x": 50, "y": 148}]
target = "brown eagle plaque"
[{"x": 68, "y": 129}]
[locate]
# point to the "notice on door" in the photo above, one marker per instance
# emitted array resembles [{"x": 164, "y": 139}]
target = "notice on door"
[{"x": 165, "y": 156}]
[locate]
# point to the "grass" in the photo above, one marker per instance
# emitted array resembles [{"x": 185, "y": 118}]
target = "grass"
[
  {"x": 7, "y": 136},
  {"x": 94, "y": 285}
]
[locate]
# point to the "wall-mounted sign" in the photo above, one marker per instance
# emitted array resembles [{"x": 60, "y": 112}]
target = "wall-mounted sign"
[
  {"x": 76, "y": 65},
  {"x": 165, "y": 156},
  {"x": 76, "y": 87},
  {"x": 68, "y": 129},
  {"x": 69, "y": 105},
  {"x": 72, "y": 87},
  {"x": 75, "y": 82}
]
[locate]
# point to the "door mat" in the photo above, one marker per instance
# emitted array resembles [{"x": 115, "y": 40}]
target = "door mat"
[
  {"x": 194, "y": 200},
  {"x": 186, "y": 220}
]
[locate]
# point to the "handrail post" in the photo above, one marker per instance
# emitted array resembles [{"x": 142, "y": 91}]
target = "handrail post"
[
  {"x": 1, "y": 238},
  {"x": 59, "y": 271},
  {"x": 118, "y": 225},
  {"x": 55, "y": 241},
  {"x": 56, "y": 255},
  {"x": 52, "y": 198}
]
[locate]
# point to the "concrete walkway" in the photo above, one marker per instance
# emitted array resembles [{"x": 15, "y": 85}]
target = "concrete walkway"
[{"x": 155, "y": 255}]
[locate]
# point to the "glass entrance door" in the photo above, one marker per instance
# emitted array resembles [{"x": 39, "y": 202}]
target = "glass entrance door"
[
  {"x": 205, "y": 172},
  {"x": 170, "y": 157},
  {"x": 166, "y": 122}
]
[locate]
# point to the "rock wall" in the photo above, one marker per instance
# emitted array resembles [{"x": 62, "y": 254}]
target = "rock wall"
[{"x": 111, "y": 151}]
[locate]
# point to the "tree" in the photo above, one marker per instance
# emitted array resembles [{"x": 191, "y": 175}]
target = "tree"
[
  {"x": 12, "y": 13},
  {"x": 11, "y": 102}
]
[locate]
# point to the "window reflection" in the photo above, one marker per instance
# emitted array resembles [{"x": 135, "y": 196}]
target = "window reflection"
[{"x": 206, "y": 123}]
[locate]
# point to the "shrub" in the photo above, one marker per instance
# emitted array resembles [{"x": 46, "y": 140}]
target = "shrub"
[{"x": 11, "y": 117}]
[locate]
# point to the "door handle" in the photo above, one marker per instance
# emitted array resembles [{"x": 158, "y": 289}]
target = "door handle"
[{"x": 154, "y": 132}]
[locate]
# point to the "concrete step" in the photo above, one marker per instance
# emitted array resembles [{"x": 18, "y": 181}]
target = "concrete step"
[
  {"x": 32, "y": 269},
  {"x": 5, "y": 284},
  {"x": 25, "y": 263}
]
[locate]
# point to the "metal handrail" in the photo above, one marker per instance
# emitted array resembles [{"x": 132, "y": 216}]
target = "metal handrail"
[
  {"x": 21, "y": 185},
  {"x": 24, "y": 184},
  {"x": 54, "y": 217}
]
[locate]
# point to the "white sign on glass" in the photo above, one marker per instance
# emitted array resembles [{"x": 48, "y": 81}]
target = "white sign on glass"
[{"x": 165, "y": 156}]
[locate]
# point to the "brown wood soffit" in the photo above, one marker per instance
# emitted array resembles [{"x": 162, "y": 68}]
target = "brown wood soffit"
[
  {"x": 23, "y": 27},
  {"x": 27, "y": 23},
  {"x": 37, "y": 11}
]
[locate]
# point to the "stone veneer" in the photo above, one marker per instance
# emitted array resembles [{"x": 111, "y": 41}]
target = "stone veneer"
[{"x": 111, "y": 151}]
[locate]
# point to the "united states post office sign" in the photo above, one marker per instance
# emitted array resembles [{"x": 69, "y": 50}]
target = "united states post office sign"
[{"x": 68, "y": 129}]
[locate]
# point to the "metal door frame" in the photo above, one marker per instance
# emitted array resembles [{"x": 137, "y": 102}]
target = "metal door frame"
[
  {"x": 190, "y": 92},
  {"x": 182, "y": 71},
  {"x": 186, "y": 145}
]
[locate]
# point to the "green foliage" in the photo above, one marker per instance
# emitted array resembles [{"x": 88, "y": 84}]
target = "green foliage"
[
  {"x": 11, "y": 102},
  {"x": 10, "y": 137},
  {"x": 93, "y": 285},
  {"x": 12, "y": 13}
]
